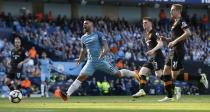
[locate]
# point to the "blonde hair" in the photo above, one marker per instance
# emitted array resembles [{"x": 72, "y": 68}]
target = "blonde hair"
[{"x": 178, "y": 7}]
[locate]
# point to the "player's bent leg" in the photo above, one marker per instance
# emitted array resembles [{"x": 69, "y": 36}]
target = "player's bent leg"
[
  {"x": 47, "y": 86},
  {"x": 86, "y": 71},
  {"x": 110, "y": 69},
  {"x": 127, "y": 73},
  {"x": 168, "y": 83},
  {"x": 167, "y": 70},
  {"x": 42, "y": 84},
  {"x": 143, "y": 74},
  {"x": 177, "y": 90},
  {"x": 74, "y": 86},
  {"x": 18, "y": 84},
  {"x": 175, "y": 74},
  {"x": 82, "y": 77},
  {"x": 118, "y": 74},
  {"x": 184, "y": 76},
  {"x": 204, "y": 80},
  {"x": 159, "y": 74},
  {"x": 42, "y": 88}
]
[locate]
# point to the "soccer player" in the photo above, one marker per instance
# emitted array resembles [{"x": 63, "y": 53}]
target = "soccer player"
[
  {"x": 156, "y": 58},
  {"x": 95, "y": 44},
  {"x": 45, "y": 67},
  {"x": 155, "y": 55},
  {"x": 18, "y": 58},
  {"x": 173, "y": 69}
]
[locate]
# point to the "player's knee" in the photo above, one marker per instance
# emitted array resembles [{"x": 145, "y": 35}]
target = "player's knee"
[
  {"x": 82, "y": 78},
  {"x": 144, "y": 71},
  {"x": 174, "y": 75},
  {"x": 43, "y": 82},
  {"x": 7, "y": 81},
  {"x": 159, "y": 73},
  {"x": 118, "y": 74},
  {"x": 123, "y": 73},
  {"x": 166, "y": 70}
]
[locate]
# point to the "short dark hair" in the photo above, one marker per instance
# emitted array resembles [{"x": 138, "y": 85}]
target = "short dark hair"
[
  {"x": 15, "y": 36},
  {"x": 148, "y": 18},
  {"x": 89, "y": 19}
]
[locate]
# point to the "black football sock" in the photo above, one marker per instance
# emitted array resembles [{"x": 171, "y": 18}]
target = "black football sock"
[
  {"x": 11, "y": 87},
  {"x": 18, "y": 87},
  {"x": 169, "y": 86},
  {"x": 162, "y": 77},
  {"x": 143, "y": 82}
]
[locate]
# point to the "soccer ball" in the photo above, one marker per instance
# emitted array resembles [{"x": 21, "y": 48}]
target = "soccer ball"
[{"x": 15, "y": 96}]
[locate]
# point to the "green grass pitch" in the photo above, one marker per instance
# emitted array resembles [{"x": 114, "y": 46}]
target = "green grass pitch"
[{"x": 108, "y": 104}]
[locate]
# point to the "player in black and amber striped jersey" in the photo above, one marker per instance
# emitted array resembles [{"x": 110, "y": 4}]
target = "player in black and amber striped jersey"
[{"x": 173, "y": 69}]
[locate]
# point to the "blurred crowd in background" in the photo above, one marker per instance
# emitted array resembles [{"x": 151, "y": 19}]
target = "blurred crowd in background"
[{"x": 61, "y": 36}]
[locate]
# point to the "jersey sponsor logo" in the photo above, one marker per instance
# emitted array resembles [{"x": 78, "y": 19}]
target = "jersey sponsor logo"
[
  {"x": 16, "y": 56},
  {"x": 175, "y": 64},
  {"x": 155, "y": 64},
  {"x": 18, "y": 75}
]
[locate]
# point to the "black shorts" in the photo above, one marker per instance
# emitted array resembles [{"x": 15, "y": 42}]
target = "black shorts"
[
  {"x": 156, "y": 63},
  {"x": 175, "y": 59},
  {"x": 14, "y": 74}
]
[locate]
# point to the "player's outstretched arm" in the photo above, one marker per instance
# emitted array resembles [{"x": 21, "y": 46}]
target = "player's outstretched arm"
[
  {"x": 81, "y": 54},
  {"x": 164, "y": 39},
  {"x": 184, "y": 36},
  {"x": 23, "y": 62},
  {"x": 158, "y": 46}
]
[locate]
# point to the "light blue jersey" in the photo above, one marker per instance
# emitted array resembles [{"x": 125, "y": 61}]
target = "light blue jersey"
[
  {"x": 94, "y": 45},
  {"x": 45, "y": 69}
]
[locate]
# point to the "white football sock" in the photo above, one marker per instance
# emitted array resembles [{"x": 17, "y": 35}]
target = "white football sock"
[
  {"x": 46, "y": 90},
  {"x": 42, "y": 89},
  {"x": 74, "y": 86},
  {"x": 127, "y": 73}
]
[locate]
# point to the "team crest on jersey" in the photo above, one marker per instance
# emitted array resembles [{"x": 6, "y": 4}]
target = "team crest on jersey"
[{"x": 184, "y": 24}]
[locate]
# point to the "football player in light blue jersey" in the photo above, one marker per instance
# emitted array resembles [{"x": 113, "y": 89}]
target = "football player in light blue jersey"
[
  {"x": 95, "y": 45},
  {"x": 45, "y": 67}
]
